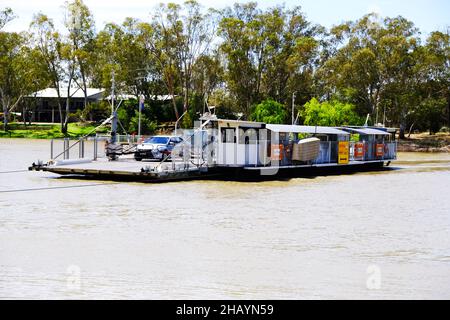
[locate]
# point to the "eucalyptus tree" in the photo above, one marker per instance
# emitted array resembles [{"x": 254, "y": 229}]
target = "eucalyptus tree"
[
  {"x": 12, "y": 73},
  {"x": 6, "y": 15},
  {"x": 80, "y": 24},
  {"x": 50, "y": 46},
  {"x": 207, "y": 74},
  {"x": 374, "y": 60},
  {"x": 268, "y": 53},
  {"x": 9, "y": 43},
  {"x": 182, "y": 34},
  {"x": 438, "y": 69},
  {"x": 291, "y": 54},
  {"x": 19, "y": 72},
  {"x": 243, "y": 60},
  {"x": 123, "y": 49}
]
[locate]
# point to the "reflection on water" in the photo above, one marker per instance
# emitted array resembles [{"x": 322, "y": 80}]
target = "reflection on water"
[{"x": 302, "y": 238}]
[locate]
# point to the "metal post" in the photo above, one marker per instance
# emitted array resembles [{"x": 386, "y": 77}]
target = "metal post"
[
  {"x": 113, "y": 112},
  {"x": 141, "y": 106},
  {"x": 329, "y": 152},
  {"x": 81, "y": 149},
  {"x": 95, "y": 148},
  {"x": 293, "y": 105},
  {"x": 66, "y": 148},
  {"x": 51, "y": 149}
]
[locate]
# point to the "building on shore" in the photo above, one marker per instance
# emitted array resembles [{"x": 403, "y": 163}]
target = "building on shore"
[{"x": 43, "y": 104}]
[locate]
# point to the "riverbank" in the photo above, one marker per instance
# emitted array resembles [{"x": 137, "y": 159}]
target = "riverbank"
[
  {"x": 424, "y": 142},
  {"x": 420, "y": 142},
  {"x": 48, "y": 130}
]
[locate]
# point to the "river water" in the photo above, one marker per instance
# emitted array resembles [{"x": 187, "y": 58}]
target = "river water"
[{"x": 368, "y": 235}]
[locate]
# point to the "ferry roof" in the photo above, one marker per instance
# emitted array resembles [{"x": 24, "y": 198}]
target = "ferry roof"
[
  {"x": 369, "y": 131},
  {"x": 241, "y": 122},
  {"x": 305, "y": 129}
]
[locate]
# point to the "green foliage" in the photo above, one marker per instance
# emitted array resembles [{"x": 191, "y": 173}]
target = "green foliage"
[
  {"x": 147, "y": 126},
  {"x": 96, "y": 111},
  {"x": 330, "y": 113},
  {"x": 269, "y": 53},
  {"x": 128, "y": 115},
  {"x": 75, "y": 130},
  {"x": 187, "y": 122},
  {"x": 269, "y": 111},
  {"x": 236, "y": 58}
]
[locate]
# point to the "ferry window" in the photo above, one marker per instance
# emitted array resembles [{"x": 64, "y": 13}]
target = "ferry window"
[
  {"x": 248, "y": 136},
  {"x": 228, "y": 135},
  {"x": 323, "y": 138},
  {"x": 264, "y": 135}
]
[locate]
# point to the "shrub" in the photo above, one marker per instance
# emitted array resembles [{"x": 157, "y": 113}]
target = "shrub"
[
  {"x": 269, "y": 111},
  {"x": 330, "y": 113},
  {"x": 147, "y": 126},
  {"x": 96, "y": 111}
]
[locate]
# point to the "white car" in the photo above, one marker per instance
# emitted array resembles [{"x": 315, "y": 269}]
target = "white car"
[{"x": 157, "y": 147}]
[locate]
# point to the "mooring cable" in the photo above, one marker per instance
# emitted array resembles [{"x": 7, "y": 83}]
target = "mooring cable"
[
  {"x": 13, "y": 171},
  {"x": 60, "y": 187}
]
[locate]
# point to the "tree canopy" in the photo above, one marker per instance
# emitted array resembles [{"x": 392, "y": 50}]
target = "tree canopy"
[
  {"x": 247, "y": 61},
  {"x": 269, "y": 111},
  {"x": 330, "y": 113}
]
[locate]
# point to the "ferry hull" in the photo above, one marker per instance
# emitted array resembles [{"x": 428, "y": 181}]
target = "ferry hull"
[{"x": 214, "y": 173}]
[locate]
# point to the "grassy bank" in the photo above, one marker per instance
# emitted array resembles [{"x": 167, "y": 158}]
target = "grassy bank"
[
  {"x": 424, "y": 142},
  {"x": 48, "y": 131}
]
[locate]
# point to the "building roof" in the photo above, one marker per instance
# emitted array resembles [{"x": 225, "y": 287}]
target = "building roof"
[
  {"x": 305, "y": 129},
  {"x": 92, "y": 93},
  {"x": 368, "y": 131}
]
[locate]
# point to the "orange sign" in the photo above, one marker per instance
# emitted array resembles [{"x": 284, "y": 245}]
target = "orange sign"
[
  {"x": 359, "y": 150},
  {"x": 276, "y": 153},
  {"x": 379, "y": 151}
]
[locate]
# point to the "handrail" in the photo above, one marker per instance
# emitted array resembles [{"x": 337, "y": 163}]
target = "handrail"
[
  {"x": 83, "y": 137},
  {"x": 184, "y": 143},
  {"x": 178, "y": 120}
]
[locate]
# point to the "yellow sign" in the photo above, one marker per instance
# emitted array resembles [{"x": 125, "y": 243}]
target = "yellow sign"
[{"x": 343, "y": 152}]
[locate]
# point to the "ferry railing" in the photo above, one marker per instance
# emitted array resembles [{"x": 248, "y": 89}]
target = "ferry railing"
[
  {"x": 130, "y": 139},
  {"x": 187, "y": 155},
  {"x": 82, "y": 148},
  {"x": 372, "y": 151},
  {"x": 329, "y": 151}
]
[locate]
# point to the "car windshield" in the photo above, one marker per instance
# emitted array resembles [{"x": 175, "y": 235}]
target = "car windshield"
[{"x": 157, "y": 140}]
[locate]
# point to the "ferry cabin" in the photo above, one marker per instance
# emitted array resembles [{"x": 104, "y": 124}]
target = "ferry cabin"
[{"x": 233, "y": 143}]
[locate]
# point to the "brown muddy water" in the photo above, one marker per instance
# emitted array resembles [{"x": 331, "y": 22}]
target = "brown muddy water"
[{"x": 367, "y": 235}]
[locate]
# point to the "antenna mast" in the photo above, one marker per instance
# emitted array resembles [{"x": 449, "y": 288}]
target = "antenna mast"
[{"x": 113, "y": 111}]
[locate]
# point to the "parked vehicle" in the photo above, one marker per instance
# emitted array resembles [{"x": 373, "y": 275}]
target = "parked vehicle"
[{"x": 157, "y": 147}]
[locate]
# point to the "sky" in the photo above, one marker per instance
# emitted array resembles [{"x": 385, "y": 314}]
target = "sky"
[{"x": 428, "y": 15}]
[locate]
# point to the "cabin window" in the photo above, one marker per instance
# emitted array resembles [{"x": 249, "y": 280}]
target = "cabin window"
[
  {"x": 248, "y": 136},
  {"x": 228, "y": 135}
]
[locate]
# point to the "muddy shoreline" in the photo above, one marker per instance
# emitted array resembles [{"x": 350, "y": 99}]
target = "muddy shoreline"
[{"x": 424, "y": 142}]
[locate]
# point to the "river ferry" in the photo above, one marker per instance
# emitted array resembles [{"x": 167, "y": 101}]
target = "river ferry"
[{"x": 235, "y": 149}]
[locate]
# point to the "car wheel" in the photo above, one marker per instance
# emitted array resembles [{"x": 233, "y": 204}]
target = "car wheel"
[{"x": 138, "y": 159}]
